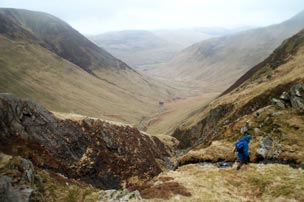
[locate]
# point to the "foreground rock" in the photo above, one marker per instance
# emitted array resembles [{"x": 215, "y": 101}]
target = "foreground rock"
[{"x": 94, "y": 151}]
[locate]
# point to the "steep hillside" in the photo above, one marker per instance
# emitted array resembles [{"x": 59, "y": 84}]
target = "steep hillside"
[
  {"x": 63, "y": 40},
  {"x": 268, "y": 105},
  {"x": 44, "y": 59},
  {"x": 137, "y": 47},
  {"x": 222, "y": 60}
]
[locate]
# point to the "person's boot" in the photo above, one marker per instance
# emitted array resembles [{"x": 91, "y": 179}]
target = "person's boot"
[{"x": 239, "y": 166}]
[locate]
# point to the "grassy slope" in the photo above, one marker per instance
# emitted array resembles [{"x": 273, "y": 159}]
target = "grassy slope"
[
  {"x": 62, "y": 39},
  {"x": 222, "y": 60},
  {"x": 258, "y": 83},
  {"x": 175, "y": 112},
  {"x": 209, "y": 183},
  {"x": 44, "y": 59},
  {"x": 63, "y": 86}
]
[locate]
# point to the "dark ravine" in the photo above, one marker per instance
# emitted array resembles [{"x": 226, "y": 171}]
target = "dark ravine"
[
  {"x": 94, "y": 151},
  {"x": 209, "y": 128}
]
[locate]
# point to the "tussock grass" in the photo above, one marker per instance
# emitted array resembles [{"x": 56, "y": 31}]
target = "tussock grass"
[{"x": 253, "y": 182}]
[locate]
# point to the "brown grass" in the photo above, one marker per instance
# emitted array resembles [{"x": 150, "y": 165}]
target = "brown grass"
[
  {"x": 253, "y": 182},
  {"x": 162, "y": 191}
]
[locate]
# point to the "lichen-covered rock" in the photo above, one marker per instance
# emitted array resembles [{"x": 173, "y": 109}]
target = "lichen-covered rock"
[
  {"x": 278, "y": 102},
  {"x": 92, "y": 150},
  {"x": 297, "y": 102},
  {"x": 268, "y": 149},
  {"x": 285, "y": 96},
  {"x": 294, "y": 98},
  {"x": 297, "y": 90},
  {"x": 17, "y": 179},
  {"x": 119, "y": 196}
]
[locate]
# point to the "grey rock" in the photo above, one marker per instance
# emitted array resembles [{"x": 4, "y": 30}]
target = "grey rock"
[
  {"x": 297, "y": 90},
  {"x": 119, "y": 196},
  {"x": 10, "y": 193},
  {"x": 257, "y": 131},
  {"x": 297, "y": 102},
  {"x": 7, "y": 192},
  {"x": 266, "y": 149},
  {"x": 89, "y": 122},
  {"x": 285, "y": 96},
  {"x": 277, "y": 113},
  {"x": 278, "y": 102},
  {"x": 261, "y": 152},
  {"x": 243, "y": 130},
  {"x": 28, "y": 174},
  {"x": 266, "y": 142}
]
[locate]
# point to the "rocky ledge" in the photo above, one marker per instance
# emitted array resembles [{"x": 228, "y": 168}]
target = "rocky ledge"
[{"x": 94, "y": 151}]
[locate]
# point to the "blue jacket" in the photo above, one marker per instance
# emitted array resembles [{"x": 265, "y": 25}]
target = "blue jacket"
[{"x": 245, "y": 154}]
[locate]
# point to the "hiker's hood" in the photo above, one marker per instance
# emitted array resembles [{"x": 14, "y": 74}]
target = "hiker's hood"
[{"x": 247, "y": 138}]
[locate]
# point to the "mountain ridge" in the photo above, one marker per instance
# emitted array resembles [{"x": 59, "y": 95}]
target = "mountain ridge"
[{"x": 221, "y": 60}]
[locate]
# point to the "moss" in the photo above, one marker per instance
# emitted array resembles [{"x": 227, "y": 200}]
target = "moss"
[{"x": 72, "y": 195}]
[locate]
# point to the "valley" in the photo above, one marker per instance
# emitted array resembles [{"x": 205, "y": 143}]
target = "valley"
[{"x": 142, "y": 116}]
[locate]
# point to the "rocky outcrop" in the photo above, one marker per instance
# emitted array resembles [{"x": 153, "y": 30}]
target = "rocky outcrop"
[
  {"x": 91, "y": 150},
  {"x": 17, "y": 179},
  {"x": 119, "y": 196},
  {"x": 294, "y": 98}
]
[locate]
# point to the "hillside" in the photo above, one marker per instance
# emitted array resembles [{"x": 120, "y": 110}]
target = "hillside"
[
  {"x": 222, "y": 60},
  {"x": 45, "y": 59},
  {"x": 137, "y": 47},
  {"x": 268, "y": 103}
]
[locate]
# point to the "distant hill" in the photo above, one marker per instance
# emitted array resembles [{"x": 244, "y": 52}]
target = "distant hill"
[
  {"x": 137, "y": 47},
  {"x": 45, "y": 59},
  {"x": 144, "y": 48},
  {"x": 187, "y": 37},
  {"x": 219, "y": 62}
]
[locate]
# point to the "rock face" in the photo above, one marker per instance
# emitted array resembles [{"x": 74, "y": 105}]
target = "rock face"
[
  {"x": 94, "y": 151},
  {"x": 294, "y": 98}
]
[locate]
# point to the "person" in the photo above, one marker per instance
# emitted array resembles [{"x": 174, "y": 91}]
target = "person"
[{"x": 242, "y": 149}]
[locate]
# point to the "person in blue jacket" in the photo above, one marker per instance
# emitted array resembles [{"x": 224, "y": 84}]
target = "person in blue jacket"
[{"x": 242, "y": 148}]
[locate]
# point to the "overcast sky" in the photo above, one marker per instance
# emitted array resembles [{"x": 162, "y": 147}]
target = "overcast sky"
[{"x": 97, "y": 16}]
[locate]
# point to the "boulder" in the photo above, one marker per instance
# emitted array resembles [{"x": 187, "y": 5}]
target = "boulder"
[
  {"x": 297, "y": 102},
  {"x": 285, "y": 96},
  {"x": 278, "y": 102},
  {"x": 119, "y": 196},
  {"x": 265, "y": 151},
  {"x": 297, "y": 90}
]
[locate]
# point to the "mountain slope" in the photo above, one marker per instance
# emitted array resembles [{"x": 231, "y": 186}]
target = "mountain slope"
[
  {"x": 222, "y": 60},
  {"x": 137, "y": 47},
  {"x": 63, "y": 40},
  {"x": 44, "y": 59},
  {"x": 269, "y": 105}
]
